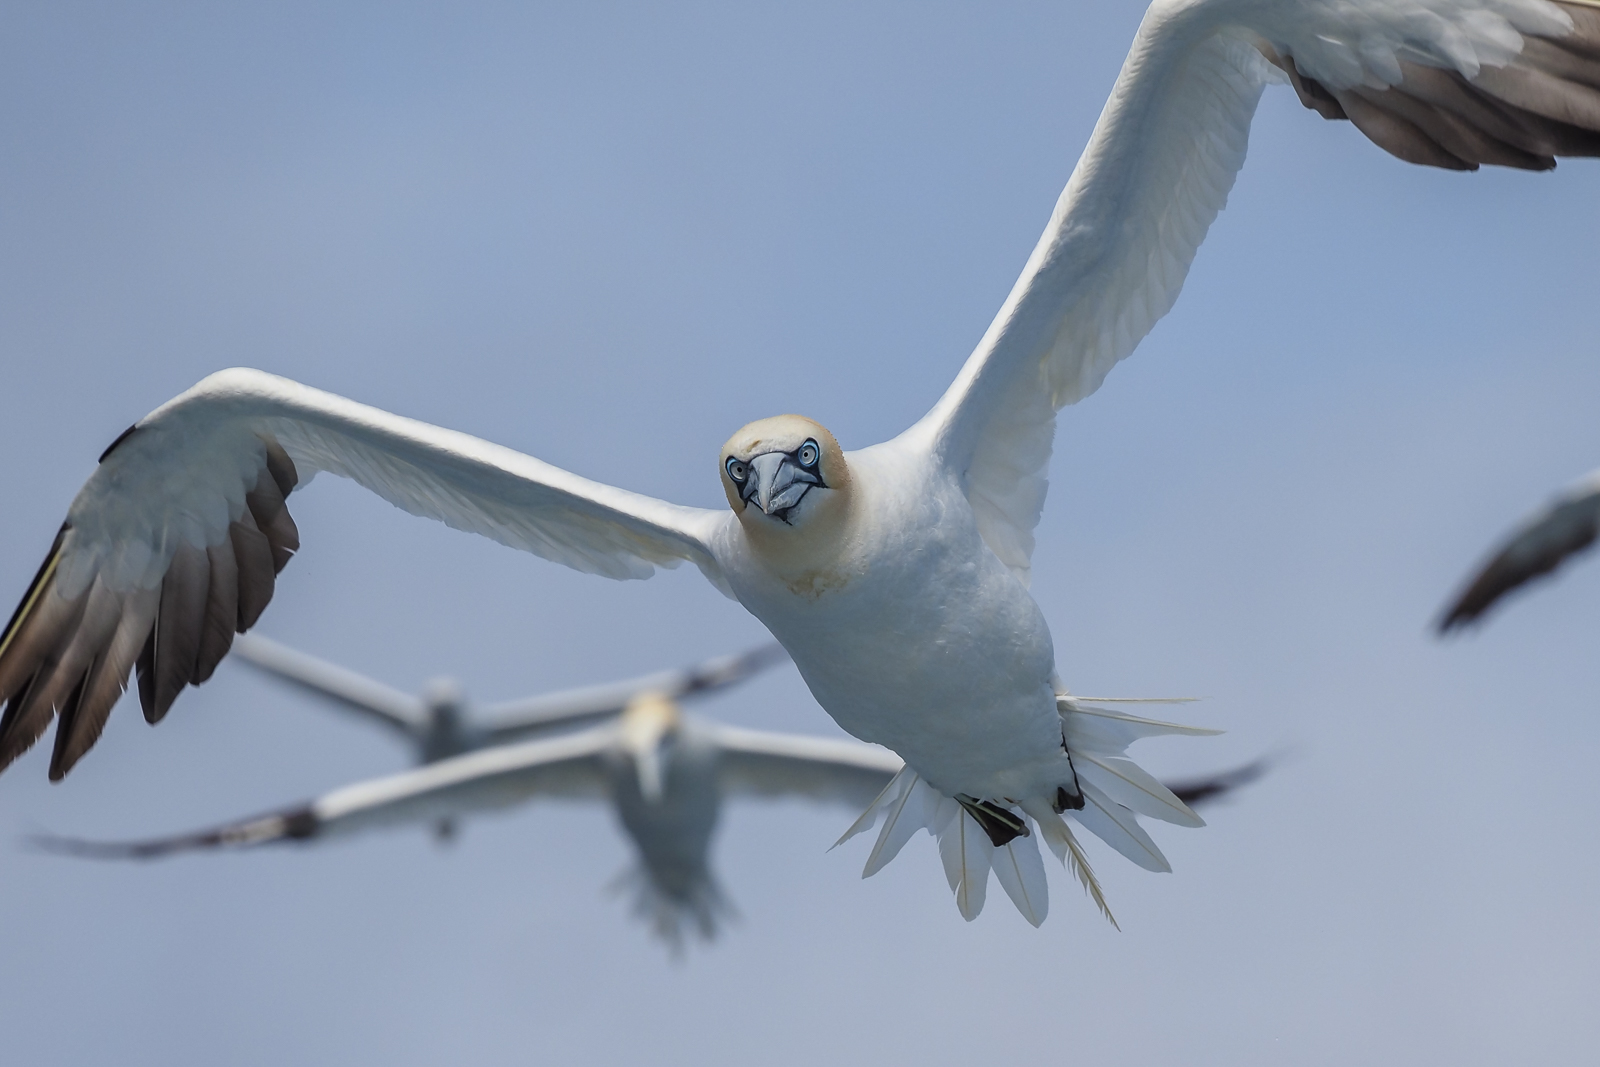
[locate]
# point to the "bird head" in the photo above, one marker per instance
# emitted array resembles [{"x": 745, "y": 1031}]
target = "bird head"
[
  {"x": 444, "y": 700},
  {"x": 783, "y": 471},
  {"x": 648, "y": 723}
]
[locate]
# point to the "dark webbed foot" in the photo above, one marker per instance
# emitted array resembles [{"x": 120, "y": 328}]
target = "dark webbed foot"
[{"x": 1001, "y": 824}]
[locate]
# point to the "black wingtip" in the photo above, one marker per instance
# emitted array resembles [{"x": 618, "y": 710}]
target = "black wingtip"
[{"x": 121, "y": 437}]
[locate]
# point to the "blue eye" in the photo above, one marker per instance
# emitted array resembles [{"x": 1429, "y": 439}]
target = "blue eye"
[
  {"x": 737, "y": 470},
  {"x": 809, "y": 454}
]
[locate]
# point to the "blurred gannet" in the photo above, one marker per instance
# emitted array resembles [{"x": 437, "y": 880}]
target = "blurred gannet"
[
  {"x": 1566, "y": 526},
  {"x": 895, "y": 575},
  {"x": 438, "y": 724},
  {"x": 665, "y": 774}
]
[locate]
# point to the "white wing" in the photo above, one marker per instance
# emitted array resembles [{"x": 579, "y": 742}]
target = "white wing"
[
  {"x": 1544, "y": 541},
  {"x": 531, "y": 715},
  {"x": 566, "y": 767},
  {"x": 758, "y": 763},
  {"x": 346, "y": 688},
  {"x": 1451, "y": 83},
  {"x": 173, "y": 543}
]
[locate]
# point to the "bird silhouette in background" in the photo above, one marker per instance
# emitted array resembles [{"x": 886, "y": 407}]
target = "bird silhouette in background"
[
  {"x": 439, "y": 724},
  {"x": 665, "y": 774},
  {"x": 1563, "y": 528},
  {"x": 896, "y": 575}
]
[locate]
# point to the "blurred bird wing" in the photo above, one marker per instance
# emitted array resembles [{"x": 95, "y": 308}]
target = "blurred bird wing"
[
  {"x": 532, "y": 715},
  {"x": 173, "y": 542},
  {"x": 1543, "y": 542},
  {"x": 755, "y": 763},
  {"x": 1451, "y": 83},
  {"x": 563, "y": 767},
  {"x": 342, "y": 687},
  {"x": 1205, "y": 789}
]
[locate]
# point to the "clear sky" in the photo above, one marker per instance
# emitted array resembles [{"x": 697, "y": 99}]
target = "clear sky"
[{"x": 609, "y": 235}]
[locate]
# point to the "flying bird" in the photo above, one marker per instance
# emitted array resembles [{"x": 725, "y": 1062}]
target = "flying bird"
[
  {"x": 896, "y": 576},
  {"x": 1563, "y": 528},
  {"x": 438, "y": 723},
  {"x": 665, "y": 774}
]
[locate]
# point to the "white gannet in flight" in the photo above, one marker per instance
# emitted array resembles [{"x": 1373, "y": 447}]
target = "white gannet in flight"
[
  {"x": 1567, "y": 525},
  {"x": 895, "y": 575},
  {"x": 438, "y": 724},
  {"x": 666, "y": 775}
]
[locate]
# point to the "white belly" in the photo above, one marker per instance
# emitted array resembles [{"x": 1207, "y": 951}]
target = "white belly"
[{"x": 920, "y": 639}]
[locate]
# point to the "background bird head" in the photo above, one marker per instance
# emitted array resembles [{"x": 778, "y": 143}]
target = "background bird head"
[{"x": 648, "y": 723}]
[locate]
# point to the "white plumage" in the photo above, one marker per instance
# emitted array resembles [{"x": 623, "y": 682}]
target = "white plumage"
[
  {"x": 895, "y": 576},
  {"x": 665, "y": 774}
]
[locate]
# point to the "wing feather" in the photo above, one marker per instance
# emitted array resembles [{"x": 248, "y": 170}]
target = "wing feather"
[
  {"x": 1446, "y": 83},
  {"x": 175, "y": 541},
  {"x": 567, "y": 767},
  {"x": 761, "y": 764},
  {"x": 1545, "y": 540}
]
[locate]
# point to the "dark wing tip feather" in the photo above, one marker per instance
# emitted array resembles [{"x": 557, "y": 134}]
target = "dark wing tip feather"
[
  {"x": 1513, "y": 567},
  {"x": 1543, "y": 104},
  {"x": 296, "y": 824},
  {"x": 69, "y": 661},
  {"x": 1194, "y": 791}
]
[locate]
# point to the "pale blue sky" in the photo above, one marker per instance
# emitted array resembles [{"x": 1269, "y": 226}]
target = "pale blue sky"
[{"x": 609, "y": 236}]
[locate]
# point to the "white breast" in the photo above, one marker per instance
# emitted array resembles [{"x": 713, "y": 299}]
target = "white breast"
[{"x": 918, "y": 638}]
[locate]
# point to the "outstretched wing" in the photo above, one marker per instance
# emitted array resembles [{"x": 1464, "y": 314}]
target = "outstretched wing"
[
  {"x": 1567, "y": 526},
  {"x": 520, "y": 718},
  {"x": 565, "y": 767},
  {"x": 345, "y": 688},
  {"x": 173, "y": 543},
  {"x": 762, "y": 764},
  {"x": 1450, "y": 83}
]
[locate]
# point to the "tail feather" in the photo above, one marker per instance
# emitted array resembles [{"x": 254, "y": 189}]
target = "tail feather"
[
  {"x": 1090, "y": 729},
  {"x": 891, "y": 793},
  {"x": 1020, "y": 872},
  {"x": 1133, "y": 787},
  {"x": 673, "y": 916},
  {"x": 1119, "y": 828},
  {"x": 968, "y": 854},
  {"x": 1058, "y": 835},
  {"x": 914, "y": 810}
]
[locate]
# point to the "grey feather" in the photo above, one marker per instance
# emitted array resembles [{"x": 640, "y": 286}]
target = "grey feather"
[
  {"x": 253, "y": 556},
  {"x": 222, "y": 611},
  {"x": 175, "y": 639}
]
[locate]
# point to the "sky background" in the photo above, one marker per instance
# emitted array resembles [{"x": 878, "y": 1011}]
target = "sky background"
[{"x": 609, "y": 235}]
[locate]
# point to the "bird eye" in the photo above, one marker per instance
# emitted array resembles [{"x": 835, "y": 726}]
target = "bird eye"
[
  {"x": 809, "y": 453},
  {"x": 736, "y": 470}
]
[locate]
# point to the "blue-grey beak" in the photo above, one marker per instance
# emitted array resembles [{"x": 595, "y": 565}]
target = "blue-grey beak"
[{"x": 777, "y": 482}]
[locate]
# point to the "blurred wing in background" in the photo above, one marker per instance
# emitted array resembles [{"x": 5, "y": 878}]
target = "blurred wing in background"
[
  {"x": 755, "y": 763},
  {"x": 1545, "y": 540},
  {"x": 343, "y": 687},
  {"x": 564, "y": 767},
  {"x": 519, "y": 718}
]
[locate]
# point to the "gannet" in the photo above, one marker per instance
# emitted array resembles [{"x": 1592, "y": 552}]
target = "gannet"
[
  {"x": 665, "y": 773},
  {"x": 439, "y": 724},
  {"x": 894, "y": 575},
  {"x": 1566, "y": 526}
]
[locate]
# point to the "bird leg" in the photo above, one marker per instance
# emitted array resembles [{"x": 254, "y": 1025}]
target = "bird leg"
[{"x": 1001, "y": 824}]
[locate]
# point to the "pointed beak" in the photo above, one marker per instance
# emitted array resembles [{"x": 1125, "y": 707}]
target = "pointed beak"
[
  {"x": 777, "y": 482},
  {"x": 649, "y": 765}
]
